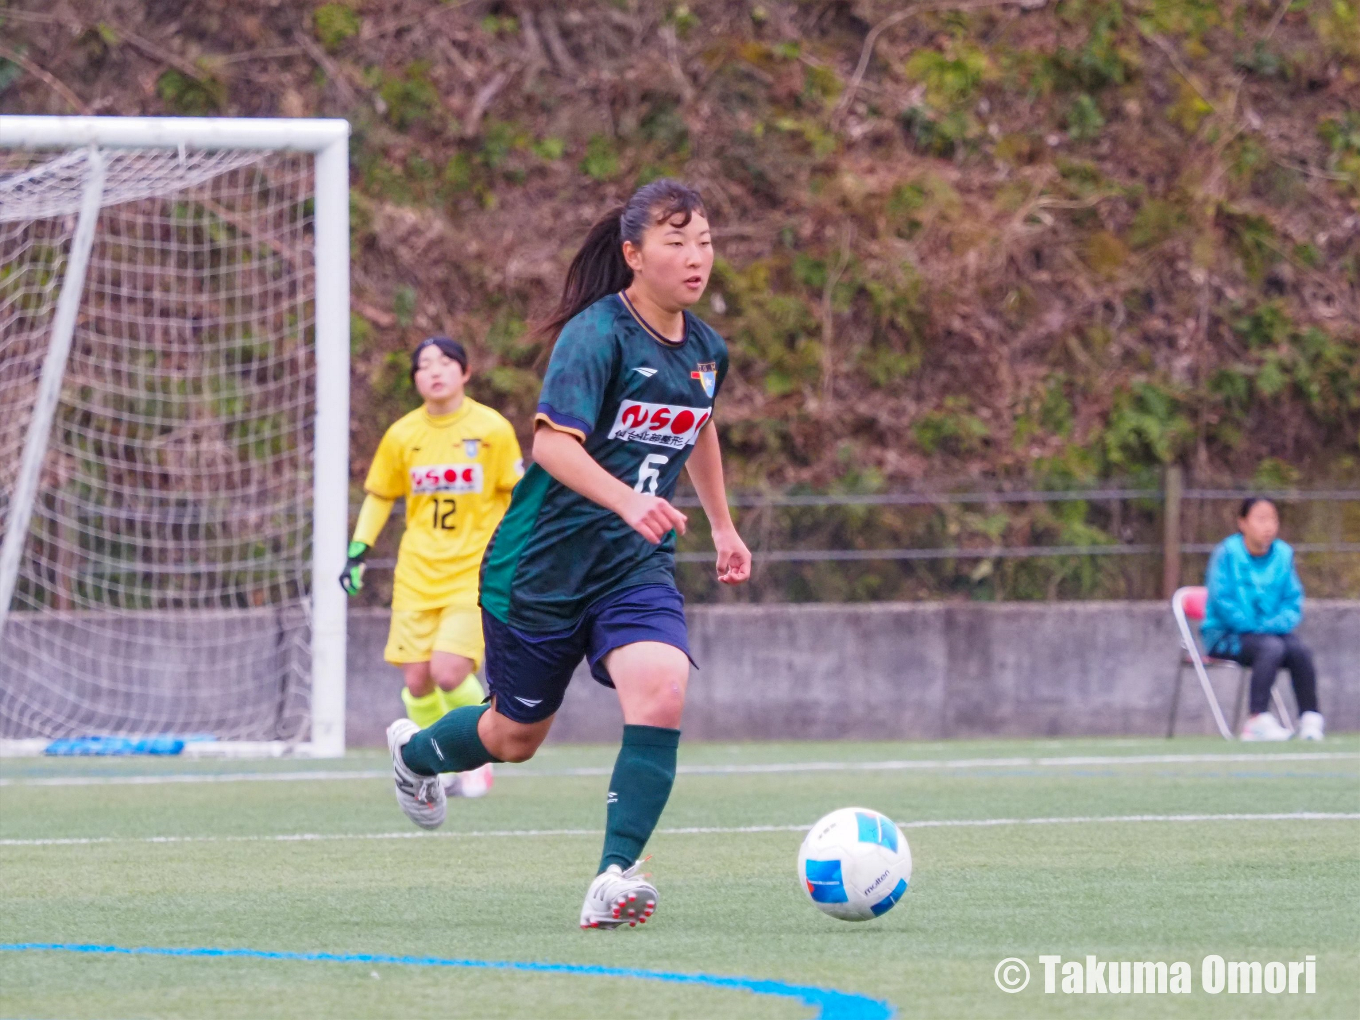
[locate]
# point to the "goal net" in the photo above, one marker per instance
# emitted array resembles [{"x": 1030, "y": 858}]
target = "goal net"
[{"x": 173, "y": 407}]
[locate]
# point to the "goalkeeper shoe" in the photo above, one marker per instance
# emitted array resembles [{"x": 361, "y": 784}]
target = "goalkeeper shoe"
[
  {"x": 421, "y": 797},
  {"x": 619, "y": 897},
  {"x": 475, "y": 783}
]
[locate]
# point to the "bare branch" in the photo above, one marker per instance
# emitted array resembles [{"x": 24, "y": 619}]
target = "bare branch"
[
  {"x": 828, "y": 314},
  {"x": 535, "y": 59},
  {"x": 871, "y": 40},
  {"x": 485, "y": 96},
  {"x": 552, "y": 35},
  {"x": 332, "y": 70},
  {"x": 50, "y": 80},
  {"x": 673, "y": 58}
]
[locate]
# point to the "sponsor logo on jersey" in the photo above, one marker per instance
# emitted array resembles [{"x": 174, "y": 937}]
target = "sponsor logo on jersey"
[
  {"x": 454, "y": 478},
  {"x": 472, "y": 447},
  {"x": 659, "y": 424},
  {"x": 648, "y": 372},
  {"x": 707, "y": 374}
]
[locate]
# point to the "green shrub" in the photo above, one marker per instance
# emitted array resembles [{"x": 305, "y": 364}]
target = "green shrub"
[
  {"x": 411, "y": 98},
  {"x": 1084, "y": 120},
  {"x": 191, "y": 97},
  {"x": 601, "y": 162},
  {"x": 951, "y": 429},
  {"x": 333, "y": 24}
]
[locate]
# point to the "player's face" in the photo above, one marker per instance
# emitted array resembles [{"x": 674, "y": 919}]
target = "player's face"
[
  {"x": 674, "y": 261},
  {"x": 1261, "y": 524},
  {"x": 438, "y": 377}
]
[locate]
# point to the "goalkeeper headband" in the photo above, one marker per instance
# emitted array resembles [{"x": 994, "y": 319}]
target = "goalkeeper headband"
[{"x": 449, "y": 348}]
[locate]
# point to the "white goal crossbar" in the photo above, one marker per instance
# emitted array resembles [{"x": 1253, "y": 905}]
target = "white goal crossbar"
[{"x": 34, "y": 192}]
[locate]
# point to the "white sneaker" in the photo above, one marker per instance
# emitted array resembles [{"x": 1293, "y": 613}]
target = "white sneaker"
[
  {"x": 1264, "y": 727},
  {"x": 475, "y": 783},
  {"x": 619, "y": 897},
  {"x": 1310, "y": 726},
  {"x": 421, "y": 797}
]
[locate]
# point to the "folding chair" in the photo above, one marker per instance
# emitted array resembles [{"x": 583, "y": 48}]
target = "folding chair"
[{"x": 1188, "y": 604}]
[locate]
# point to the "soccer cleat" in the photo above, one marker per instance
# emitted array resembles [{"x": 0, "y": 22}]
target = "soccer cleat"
[
  {"x": 619, "y": 897},
  {"x": 421, "y": 797},
  {"x": 1310, "y": 726},
  {"x": 1264, "y": 726},
  {"x": 474, "y": 783}
]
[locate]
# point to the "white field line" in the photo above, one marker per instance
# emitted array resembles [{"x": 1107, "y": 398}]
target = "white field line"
[
  {"x": 709, "y": 770},
  {"x": 940, "y": 823}
]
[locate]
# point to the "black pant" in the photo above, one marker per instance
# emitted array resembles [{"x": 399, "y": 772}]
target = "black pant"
[{"x": 1266, "y": 654}]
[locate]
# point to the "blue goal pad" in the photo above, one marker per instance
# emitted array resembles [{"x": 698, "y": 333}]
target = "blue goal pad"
[{"x": 166, "y": 744}]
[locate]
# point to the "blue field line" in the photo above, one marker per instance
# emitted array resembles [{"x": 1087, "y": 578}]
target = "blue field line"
[{"x": 829, "y": 1003}]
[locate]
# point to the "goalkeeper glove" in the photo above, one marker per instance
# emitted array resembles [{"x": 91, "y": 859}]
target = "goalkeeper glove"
[{"x": 353, "y": 577}]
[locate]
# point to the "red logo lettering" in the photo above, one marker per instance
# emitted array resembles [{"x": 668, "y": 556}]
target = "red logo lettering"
[
  {"x": 634, "y": 415},
  {"x": 683, "y": 422},
  {"x": 659, "y": 418},
  {"x": 450, "y": 475}
]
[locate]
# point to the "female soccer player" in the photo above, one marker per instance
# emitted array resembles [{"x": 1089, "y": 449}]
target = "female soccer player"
[
  {"x": 455, "y": 461},
  {"x": 584, "y": 564}
]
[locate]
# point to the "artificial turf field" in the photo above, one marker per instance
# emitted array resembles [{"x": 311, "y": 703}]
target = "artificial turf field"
[{"x": 107, "y": 852}]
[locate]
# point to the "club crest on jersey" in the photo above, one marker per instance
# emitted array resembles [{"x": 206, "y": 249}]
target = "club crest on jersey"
[
  {"x": 659, "y": 424},
  {"x": 472, "y": 447},
  {"x": 707, "y": 374},
  {"x": 456, "y": 478}
]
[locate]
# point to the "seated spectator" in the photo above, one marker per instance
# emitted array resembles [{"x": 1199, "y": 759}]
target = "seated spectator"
[{"x": 1255, "y": 603}]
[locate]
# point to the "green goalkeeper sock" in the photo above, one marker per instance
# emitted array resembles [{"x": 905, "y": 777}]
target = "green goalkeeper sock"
[
  {"x": 644, "y": 773},
  {"x": 450, "y": 745}
]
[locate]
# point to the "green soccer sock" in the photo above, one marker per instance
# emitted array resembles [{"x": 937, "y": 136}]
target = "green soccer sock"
[
  {"x": 644, "y": 773},
  {"x": 450, "y": 745}
]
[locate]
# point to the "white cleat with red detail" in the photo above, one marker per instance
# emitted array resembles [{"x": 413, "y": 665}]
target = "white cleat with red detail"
[
  {"x": 421, "y": 797},
  {"x": 619, "y": 897}
]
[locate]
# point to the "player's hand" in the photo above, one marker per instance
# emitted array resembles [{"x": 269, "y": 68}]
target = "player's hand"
[
  {"x": 652, "y": 517},
  {"x": 734, "y": 559},
  {"x": 352, "y": 579}
]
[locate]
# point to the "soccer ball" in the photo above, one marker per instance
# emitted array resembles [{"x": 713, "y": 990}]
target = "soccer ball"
[{"x": 855, "y": 864}]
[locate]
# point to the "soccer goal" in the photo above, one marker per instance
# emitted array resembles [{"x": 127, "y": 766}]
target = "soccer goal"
[{"x": 174, "y": 431}]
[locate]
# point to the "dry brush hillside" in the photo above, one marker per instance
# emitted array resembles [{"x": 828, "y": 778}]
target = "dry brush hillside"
[{"x": 1053, "y": 241}]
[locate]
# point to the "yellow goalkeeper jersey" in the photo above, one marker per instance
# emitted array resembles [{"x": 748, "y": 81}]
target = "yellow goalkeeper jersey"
[{"x": 456, "y": 472}]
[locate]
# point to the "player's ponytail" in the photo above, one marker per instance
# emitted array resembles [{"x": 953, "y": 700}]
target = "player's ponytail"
[{"x": 599, "y": 268}]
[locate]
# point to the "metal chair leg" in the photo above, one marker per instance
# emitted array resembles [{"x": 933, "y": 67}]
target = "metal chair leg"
[
  {"x": 1175, "y": 697},
  {"x": 1243, "y": 683},
  {"x": 1281, "y": 709}
]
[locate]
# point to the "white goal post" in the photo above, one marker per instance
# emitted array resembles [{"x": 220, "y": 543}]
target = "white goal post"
[{"x": 174, "y": 432}]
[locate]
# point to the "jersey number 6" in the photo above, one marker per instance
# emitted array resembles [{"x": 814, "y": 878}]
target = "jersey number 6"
[
  {"x": 442, "y": 521},
  {"x": 649, "y": 473}
]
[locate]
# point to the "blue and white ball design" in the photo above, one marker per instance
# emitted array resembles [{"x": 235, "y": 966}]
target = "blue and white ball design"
[{"x": 855, "y": 864}]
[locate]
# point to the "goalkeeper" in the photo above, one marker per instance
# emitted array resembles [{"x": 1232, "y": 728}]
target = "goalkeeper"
[{"x": 455, "y": 461}]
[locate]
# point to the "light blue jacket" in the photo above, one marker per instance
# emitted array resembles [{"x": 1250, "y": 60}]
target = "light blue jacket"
[{"x": 1250, "y": 594}]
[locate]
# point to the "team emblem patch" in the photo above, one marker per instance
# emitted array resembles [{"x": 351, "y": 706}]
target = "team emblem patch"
[
  {"x": 472, "y": 447},
  {"x": 707, "y": 374}
]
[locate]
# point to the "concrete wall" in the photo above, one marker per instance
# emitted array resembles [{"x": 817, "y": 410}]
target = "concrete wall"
[{"x": 913, "y": 671}]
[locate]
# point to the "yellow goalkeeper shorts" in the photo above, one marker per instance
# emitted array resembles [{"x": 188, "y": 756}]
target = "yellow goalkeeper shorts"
[{"x": 416, "y": 634}]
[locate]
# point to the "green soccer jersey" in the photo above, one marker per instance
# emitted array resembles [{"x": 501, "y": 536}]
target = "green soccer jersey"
[{"x": 637, "y": 401}]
